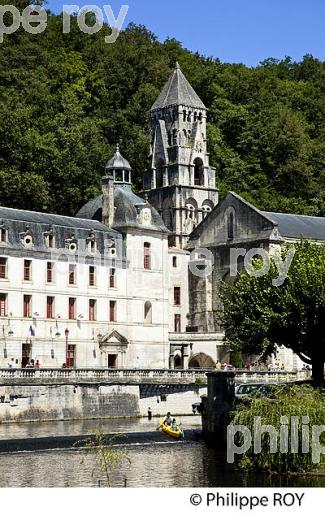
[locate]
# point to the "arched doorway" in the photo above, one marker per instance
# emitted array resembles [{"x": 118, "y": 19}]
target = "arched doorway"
[
  {"x": 201, "y": 361},
  {"x": 178, "y": 361}
]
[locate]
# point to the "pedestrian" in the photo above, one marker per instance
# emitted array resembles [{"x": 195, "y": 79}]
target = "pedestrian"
[
  {"x": 149, "y": 414},
  {"x": 218, "y": 365},
  {"x": 37, "y": 364}
]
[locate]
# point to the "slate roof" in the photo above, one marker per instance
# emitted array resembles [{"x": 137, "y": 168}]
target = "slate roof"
[
  {"x": 19, "y": 222},
  {"x": 296, "y": 226},
  {"x": 50, "y": 219},
  {"x": 178, "y": 91},
  {"x": 127, "y": 205}
]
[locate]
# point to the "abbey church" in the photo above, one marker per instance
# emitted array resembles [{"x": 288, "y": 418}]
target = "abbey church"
[{"x": 115, "y": 287}]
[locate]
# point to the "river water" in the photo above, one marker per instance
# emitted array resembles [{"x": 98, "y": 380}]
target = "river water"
[{"x": 171, "y": 464}]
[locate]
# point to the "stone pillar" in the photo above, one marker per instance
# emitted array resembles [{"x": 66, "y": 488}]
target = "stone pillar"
[
  {"x": 171, "y": 361},
  {"x": 153, "y": 178},
  {"x": 191, "y": 175},
  {"x": 186, "y": 355},
  {"x": 217, "y": 405},
  {"x": 165, "y": 177}
]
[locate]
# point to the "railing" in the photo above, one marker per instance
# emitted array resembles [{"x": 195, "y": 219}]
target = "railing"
[
  {"x": 100, "y": 374},
  {"x": 67, "y": 375}
]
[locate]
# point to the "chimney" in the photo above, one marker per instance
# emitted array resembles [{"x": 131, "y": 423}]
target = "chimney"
[{"x": 108, "y": 200}]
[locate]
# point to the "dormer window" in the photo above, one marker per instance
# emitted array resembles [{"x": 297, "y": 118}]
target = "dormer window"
[
  {"x": 71, "y": 244},
  {"x": 3, "y": 234},
  {"x": 92, "y": 245},
  {"x": 49, "y": 239},
  {"x": 26, "y": 239}
]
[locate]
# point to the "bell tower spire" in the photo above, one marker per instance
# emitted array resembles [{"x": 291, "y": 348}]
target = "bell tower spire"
[{"x": 180, "y": 182}]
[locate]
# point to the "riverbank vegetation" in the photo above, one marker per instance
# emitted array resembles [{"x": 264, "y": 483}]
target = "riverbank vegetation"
[
  {"x": 67, "y": 99},
  {"x": 294, "y": 411}
]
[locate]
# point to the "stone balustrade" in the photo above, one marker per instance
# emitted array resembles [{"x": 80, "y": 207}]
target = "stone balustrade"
[{"x": 140, "y": 376}]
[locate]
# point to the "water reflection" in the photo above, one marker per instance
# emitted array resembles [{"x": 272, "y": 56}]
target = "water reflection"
[{"x": 167, "y": 465}]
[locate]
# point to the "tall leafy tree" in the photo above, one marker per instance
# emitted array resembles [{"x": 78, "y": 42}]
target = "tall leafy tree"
[{"x": 260, "y": 314}]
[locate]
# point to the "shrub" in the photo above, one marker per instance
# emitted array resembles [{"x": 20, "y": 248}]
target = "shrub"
[{"x": 287, "y": 401}]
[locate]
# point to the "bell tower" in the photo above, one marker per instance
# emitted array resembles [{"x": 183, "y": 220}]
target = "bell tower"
[{"x": 180, "y": 183}]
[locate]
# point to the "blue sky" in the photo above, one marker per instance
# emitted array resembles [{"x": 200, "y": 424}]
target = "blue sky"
[{"x": 246, "y": 31}]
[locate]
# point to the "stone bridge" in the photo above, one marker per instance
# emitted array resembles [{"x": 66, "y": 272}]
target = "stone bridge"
[
  {"x": 48, "y": 376},
  {"x": 55, "y": 394}
]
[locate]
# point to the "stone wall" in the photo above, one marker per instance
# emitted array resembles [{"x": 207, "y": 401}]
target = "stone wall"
[{"x": 37, "y": 402}]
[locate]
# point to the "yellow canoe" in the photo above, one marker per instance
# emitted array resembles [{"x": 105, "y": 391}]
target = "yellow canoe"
[{"x": 173, "y": 433}]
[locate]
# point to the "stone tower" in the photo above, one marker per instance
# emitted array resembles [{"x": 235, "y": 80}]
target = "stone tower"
[{"x": 180, "y": 183}]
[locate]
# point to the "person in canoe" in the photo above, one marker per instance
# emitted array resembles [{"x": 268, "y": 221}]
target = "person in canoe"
[
  {"x": 174, "y": 426},
  {"x": 167, "y": 421}
]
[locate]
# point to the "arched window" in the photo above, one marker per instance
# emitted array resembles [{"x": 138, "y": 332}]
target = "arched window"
[
  {"x": 200, "y": 116},
  {"x": 147, "y": 312},
  {"x": 207, "y": 207},
  {"x": 189, "y": 117},
  {"x": 191, "y": 206},
  {"x": 231, "y": 226},
  {"x": 147, "y": 256},
  {"x": 184, "y": 115},
  {"x": 198, "y": 172}
]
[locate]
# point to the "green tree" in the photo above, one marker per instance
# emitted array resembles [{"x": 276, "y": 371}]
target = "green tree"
[{"x": 260, "y": 314}]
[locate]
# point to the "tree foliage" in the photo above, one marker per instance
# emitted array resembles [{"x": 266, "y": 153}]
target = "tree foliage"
[
  {"x": 259, "y": 315},
  {"x": 66, "y": 99}
]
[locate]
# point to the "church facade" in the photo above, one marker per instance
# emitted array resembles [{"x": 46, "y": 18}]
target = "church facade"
[{"x": 114, "y": 286}]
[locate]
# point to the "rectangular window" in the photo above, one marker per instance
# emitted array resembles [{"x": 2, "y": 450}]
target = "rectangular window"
[
  {"x": 71, "y": 356},
  {"x": 112, "y": 278},
  {"x": 174, "y": 261},
  {"x": 3, "y": 235},
  {"x": 27, "y": 306},
  {"x": 27, "y": 270},
  {"x": 50, "y": 307},
  {"x": 147, "y": 256},
  {"x": 3, "y": 267},
  {"x": 49, "y": 272},
  {"x": 72, "y": 274},
  {"x": 3, "y": 305},
  {"x": 177, "y": 323},
  {"x": 72, "y": 308},
  {"x": 112, "y": 311},
  {"x": 177, "y": 295},
  {"x": 92, "y": 310},
  {"x": 92, "y": 273}
]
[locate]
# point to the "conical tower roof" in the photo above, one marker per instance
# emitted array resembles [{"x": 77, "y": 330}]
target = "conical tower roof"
[{"x": 178, "y": 91}]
